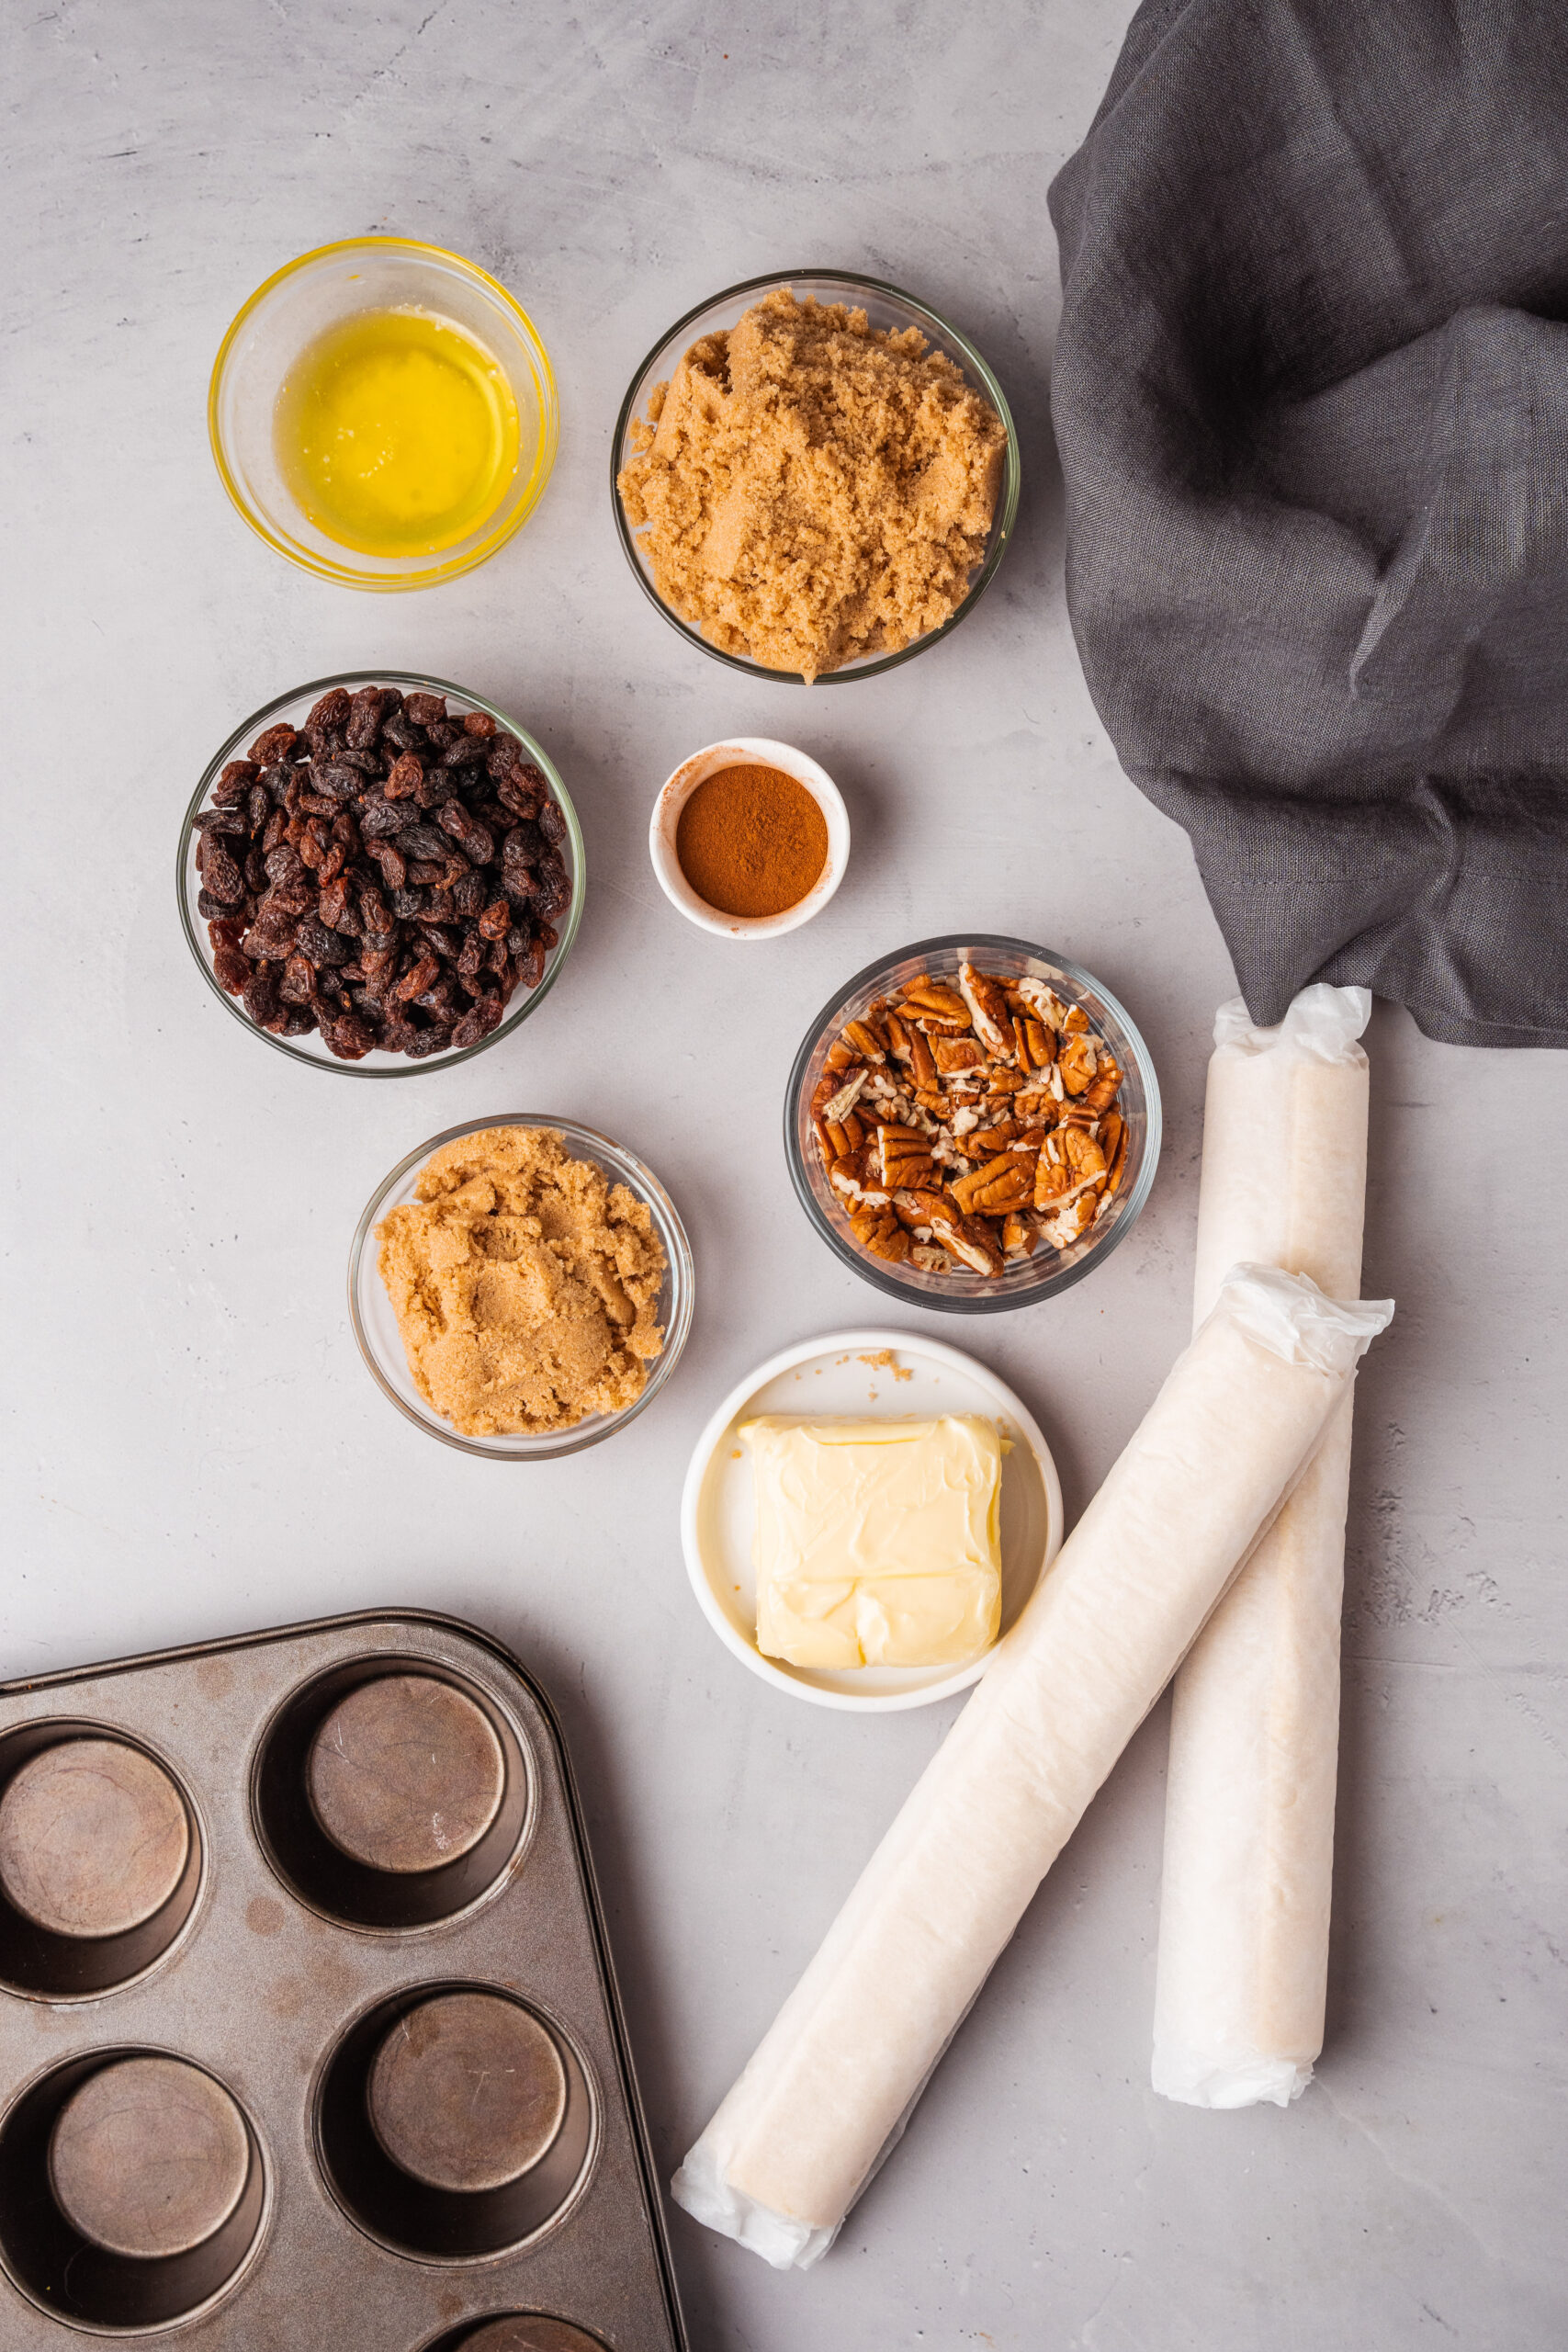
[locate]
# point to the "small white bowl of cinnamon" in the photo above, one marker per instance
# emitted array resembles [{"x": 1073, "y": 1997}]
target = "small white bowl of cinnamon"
[{"x": 749, "y": 838}]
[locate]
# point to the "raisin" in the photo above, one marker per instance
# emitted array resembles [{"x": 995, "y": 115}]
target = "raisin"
[
  {"x": 260, "y": 996},
  {"x": 406, "y": 904},
  {"x": 496, "y": 919},
  {"x": 298, "y": 1022},
  {"x": 403, "y": 778},
  {"x": 402, "y": 732},
  {"x": 420, "y": 978},
  {"x": 379, "y": 817},
  {"x": 220, "y": 875},
  {"x": 232, "y": 969},
  {"x": 517, "y": 938},
  {"x": 426, "y": 1040},
  {"x": 298, "y": 981},
  {"x": 421, "y": 840},
  {"x": 276, "y": 744},
  {"x": 435, "y": 786},
  {"x": 426, "y": 710},
  {"x": 367, "y": 708},
  {"x": 332, "y": 711},
  {"x": 333, "y": 900},
  {"x": 277, "y": 781},
  {"x": 273, "y": 832},
  {"x": 553, "y": 825},
  {"x": 349, "y": 1037},
  {"x": 393, "y": 865},
  {"x": 463, "y": 752},
  {"x": 552, "y": 892},
  {"x": 479, "y": 724},
  {"x": 531, "y": 963},
  {"x": 227, "y": 931},
  {"x": 338, "y": 780},
  {"x": 475, "y": 842},
  {"x": 235, "y": 781},
  {"x": 322, "y": 945}
]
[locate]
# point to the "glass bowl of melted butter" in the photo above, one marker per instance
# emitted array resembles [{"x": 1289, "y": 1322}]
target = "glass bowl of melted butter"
[{"x": 383, "y": 413}]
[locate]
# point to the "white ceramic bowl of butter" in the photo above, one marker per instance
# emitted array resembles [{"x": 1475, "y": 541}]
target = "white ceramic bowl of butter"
[{"x": 875, "y": 1374}]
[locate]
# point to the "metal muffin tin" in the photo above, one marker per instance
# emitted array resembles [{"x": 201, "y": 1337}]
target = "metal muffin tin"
[{"x": 307, "y": 2029}]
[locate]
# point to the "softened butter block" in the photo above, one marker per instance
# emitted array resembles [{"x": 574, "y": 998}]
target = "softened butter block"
[{"x": 877, "y": 1542}]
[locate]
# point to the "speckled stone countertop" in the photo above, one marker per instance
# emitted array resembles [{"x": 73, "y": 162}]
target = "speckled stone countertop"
[{"x": 196, "y": 1447}]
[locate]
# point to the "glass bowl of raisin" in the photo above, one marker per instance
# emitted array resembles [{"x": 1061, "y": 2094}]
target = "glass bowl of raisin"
[
  {"x": 380, "y": 873},
  {"x": 973, "y": 1124}
]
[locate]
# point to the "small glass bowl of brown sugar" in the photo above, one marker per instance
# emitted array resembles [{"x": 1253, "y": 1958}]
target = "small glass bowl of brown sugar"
[{"x": 749, "y": 838}]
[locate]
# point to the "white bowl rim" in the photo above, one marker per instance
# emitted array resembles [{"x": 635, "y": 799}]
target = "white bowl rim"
[
  {"x": 755, "y": 751},
  {"x": 852, "y": 1341}
]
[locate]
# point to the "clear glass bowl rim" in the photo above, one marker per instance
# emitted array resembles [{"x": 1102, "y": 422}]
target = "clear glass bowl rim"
[
  {"x": 1002, "y": 522},
  {"x": 251, "y": 727},
  {"x": 681, "y": 1275},
  {"x": 1053, "y": 1279},
  {"x": 345, "y": 574}
]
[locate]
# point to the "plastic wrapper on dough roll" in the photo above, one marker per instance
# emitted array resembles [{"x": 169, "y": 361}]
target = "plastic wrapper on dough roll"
[
  {"x": 1249, "y": 1798},
  {"x": 833, "y": 2081}
]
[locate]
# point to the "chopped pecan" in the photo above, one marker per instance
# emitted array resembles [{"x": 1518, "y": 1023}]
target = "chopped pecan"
[
  {"x": 1018, "y": 1236},
  {"x": 865, "y": 1039},
  {"x": 879, "y": 1231},
  {"x": 988, "y": 1010},
  {"x": 935, "y": 1007},
  {"x": 1075, "y": 1062},
  {"x": 971, "y": 1242},
  {"x": 1004, "y": 1184},
  {"x": 952, "y": 1053},
  {"x": 1069, "y": 1163},
  {"x": 903, "y": 1157}
]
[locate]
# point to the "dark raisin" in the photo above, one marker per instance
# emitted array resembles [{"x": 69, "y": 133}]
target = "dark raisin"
[
  {"x": 496, "y": 919},
  {"x": 365, "y": 713},
  {"x": 349, "y": 1037},
  {"x": 425, "y": 1040},
  {"x": 406, "y": 904},
  {"x": 298, "y": 1022},
  {"x": 235, "y": 781},
  {"x": 423, "y": 840},
  {"x": 469, "y": 895},
  {"x": 553, "y": 825},
  {"x": 322, "y": 945},
  {"x": 283, "y": 863},
  {"x": 333, "y": 900},
  {"x": 517, "y": 938},
  {"x": 478, "y": 723},
  {"x": 464, "y": 753},
  {"x": 524, "y": 799},
  {"x": 233, "y": 823},
  {"x": 209, "y": 907},
  {"x": 531, "y": 963},
  {"x": 402, "y": 732},
  {"x": 274, "y": 830},
  {"x": 332, "y": 711},
  {"x": 477, "y": 844},
  {"x": 277, "y": 781},
  {"x": 260, "y": 994},
  {"x": 552, "y": 892},
  {"x": 336, "y": 779},
  {"x": 298, "y": 981},
  {"x": 379, "y": 817},
  {"x": 426, "y": 710},
  {"x": 403, "y": 778},
  {"x": 220, "y": 875},
  {"x": 256, "y": 869},
  {"x": 547, "y": 934},
  {"x": 524, "y": 845},
  {"x": 437, "y": 785},
  {"x": 393, "y": 865}
]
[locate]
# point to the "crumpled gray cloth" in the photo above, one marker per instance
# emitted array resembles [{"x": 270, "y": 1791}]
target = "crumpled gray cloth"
[{"x": 1310, "y": 394}]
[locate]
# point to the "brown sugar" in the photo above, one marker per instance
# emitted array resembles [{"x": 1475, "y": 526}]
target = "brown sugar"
[
  {"x": 752, "y": 841},
  {"x": 810, "y": 489},
  {"x": 524, "y": 1285}
]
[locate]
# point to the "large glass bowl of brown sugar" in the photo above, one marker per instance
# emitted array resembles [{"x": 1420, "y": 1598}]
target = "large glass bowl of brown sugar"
[{"x": 907, "y": 526}]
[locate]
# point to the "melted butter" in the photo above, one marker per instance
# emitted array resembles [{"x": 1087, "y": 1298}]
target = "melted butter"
[
  {"x": 877, "y": 1542},
  {"x": 396, "y": 432}
]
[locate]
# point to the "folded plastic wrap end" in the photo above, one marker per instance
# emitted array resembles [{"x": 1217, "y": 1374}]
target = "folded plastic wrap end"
[
  {"x": 701, "y": 2187},
  {"x": 1292, "y": 1317},
  {"x": 1196, "y": 2079},
  {"x": 1321, "y": 1021}
]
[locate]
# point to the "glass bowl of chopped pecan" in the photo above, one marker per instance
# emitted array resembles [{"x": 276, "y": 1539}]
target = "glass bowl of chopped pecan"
[
  {"x": 380, "y": 873},
  {"x": 973, "y": 1124}
]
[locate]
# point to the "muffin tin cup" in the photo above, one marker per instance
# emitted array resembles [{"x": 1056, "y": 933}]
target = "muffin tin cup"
[
  {"x": 380, "y": 2070},
  {"x": 290, "y": 709}
]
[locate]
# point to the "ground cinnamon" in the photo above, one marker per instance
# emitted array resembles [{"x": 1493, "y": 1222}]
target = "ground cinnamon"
[{"x": 752, "y": 841}]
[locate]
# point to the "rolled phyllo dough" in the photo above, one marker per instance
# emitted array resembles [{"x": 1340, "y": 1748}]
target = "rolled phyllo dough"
[
  {"x": 1250, "y": 1802},
  {"x": 833, "y": 2082}
]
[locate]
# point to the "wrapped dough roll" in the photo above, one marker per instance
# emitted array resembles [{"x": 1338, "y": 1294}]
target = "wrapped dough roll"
[
  {"x": 1249, "y": 1800},
  {"x": 828, "y": 2091}
]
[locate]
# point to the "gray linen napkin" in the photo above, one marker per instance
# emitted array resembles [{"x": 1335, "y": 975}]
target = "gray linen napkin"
[{"x": 1310, "y": 393}]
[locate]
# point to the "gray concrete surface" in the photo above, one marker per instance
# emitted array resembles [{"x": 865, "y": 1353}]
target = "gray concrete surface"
[{"x": 195, "y": 1448}]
